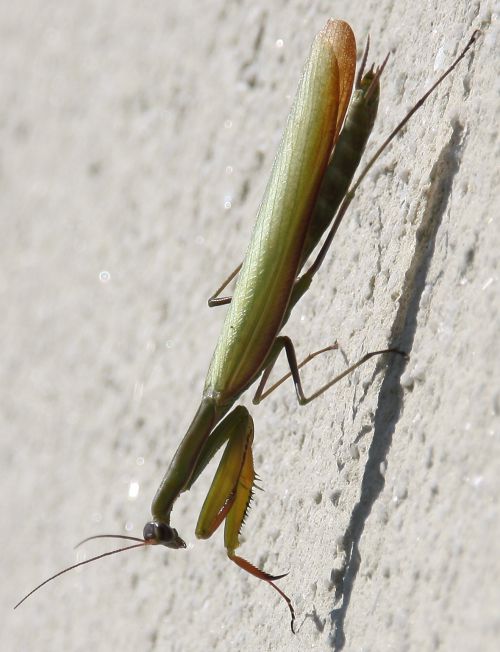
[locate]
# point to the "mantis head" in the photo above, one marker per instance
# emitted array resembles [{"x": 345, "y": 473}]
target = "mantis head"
[{"x": 158, "y": 532}]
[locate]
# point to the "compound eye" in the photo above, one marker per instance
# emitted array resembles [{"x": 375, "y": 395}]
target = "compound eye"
[{"x": 149, "y": 532}]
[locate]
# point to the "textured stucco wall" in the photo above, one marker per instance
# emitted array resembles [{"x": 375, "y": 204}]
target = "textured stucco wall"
[{"x": 125, "y": 128}]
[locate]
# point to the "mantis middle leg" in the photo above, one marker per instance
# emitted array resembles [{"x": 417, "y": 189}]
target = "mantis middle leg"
[{"x": 284, "y": 342}]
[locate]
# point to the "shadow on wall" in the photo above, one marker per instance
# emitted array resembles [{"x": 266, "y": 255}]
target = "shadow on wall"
[{"x": 391, "y": 393}]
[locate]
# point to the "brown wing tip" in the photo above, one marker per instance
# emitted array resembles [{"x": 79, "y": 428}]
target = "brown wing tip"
[
  {"x": 338, "y": 32},
  {"x": 342, "y": 41}
]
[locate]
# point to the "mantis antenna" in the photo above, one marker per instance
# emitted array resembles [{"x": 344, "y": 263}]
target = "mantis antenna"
[{"x": 141, "y": 544}]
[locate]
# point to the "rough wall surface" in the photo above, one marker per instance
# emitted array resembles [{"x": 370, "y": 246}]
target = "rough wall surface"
[{"x": 136, "y": 143}]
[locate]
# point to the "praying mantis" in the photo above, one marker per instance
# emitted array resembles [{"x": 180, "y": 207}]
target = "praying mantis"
[{"x": 308, "y": 193}]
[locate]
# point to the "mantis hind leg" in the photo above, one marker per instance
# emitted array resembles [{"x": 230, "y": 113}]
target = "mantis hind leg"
[
  {"x": 230, "y": 494},
  {"x": 284, "y": 342}
]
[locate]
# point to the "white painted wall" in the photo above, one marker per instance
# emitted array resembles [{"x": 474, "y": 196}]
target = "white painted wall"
[{"x": 125, "y": 127}]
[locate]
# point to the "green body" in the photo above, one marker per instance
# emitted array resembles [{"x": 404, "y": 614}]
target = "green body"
[
  {"x": 305, "y": 196},
  {"x": 303, "y": 193},
  {"x": 271, "y": 263},
  {"x": 305, "y": 189}
]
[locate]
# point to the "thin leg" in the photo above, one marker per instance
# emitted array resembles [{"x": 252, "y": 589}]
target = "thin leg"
[
  {"x": 260, "y": 394},
  {"x": 215, "y": 300},
  {"x": 270, "y": 579},
  {"x": 301, "y": 286},
  {"x": 286, "y": 343}
]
